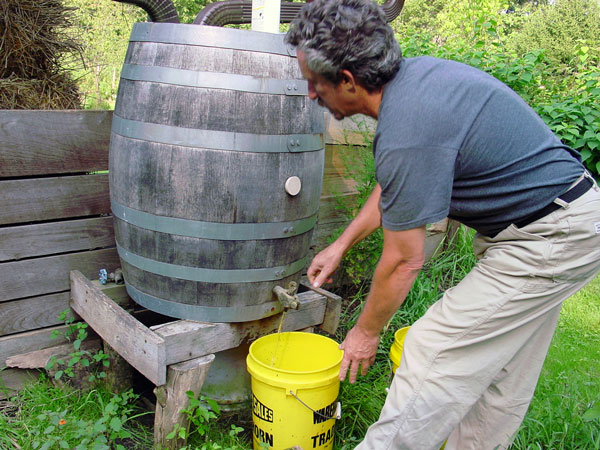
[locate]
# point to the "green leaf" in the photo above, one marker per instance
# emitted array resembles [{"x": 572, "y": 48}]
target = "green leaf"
[
  {"x": 99, "y": 427},
  {"x": 593, "y": 413},
  {"x": 64, "y": 444},
  {"x": 115, "y": 424},
  {"x": 585, "y": 154},
  {"x": 77, "y": 344},
  {"x": 49, "y": 429},
  {"x": 58, "y": 374}
]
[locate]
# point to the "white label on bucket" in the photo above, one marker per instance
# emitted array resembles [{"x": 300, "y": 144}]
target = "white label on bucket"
[{"x": 597, "y": 226}]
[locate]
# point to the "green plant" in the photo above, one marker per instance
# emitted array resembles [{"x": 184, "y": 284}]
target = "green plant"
[
  {"x": 43, "y": 416},
  {"x": 201, "y": 413},
  {"x": 573, "y": 112},
  {"x": 557, "y": 28},
  {"x": 77, "y": 333}
]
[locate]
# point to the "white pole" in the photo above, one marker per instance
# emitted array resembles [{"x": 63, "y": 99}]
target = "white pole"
[{"x": 265, "y": 15}]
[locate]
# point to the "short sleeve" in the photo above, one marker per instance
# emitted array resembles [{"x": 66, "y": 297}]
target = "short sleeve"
[{"x": 416, "y": 182}]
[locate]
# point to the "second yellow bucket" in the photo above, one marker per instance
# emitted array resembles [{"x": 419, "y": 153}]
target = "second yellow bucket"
[
  {"x": 295, "y": 385},
  {"x": 397, "y": 347}
]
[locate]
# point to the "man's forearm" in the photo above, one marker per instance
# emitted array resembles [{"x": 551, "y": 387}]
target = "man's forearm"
[
  {"x": 388, "y": 292},
  {"x": 392, "y": 280},
  {"x": 366, "y": 221}
]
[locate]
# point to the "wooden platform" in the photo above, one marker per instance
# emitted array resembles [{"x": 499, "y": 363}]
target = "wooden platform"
[
  {"x": 176, "y": 355},
  {"x": 152, "y": 349}
]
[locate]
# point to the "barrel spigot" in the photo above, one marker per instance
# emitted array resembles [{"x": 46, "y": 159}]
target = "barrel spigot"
[{"x": 288, "y": 297}]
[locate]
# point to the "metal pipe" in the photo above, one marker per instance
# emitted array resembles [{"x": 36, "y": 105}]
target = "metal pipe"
[{"x": 157, "y": 10}]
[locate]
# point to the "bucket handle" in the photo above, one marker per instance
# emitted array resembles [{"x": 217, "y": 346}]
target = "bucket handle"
[{"x": 336, "y": 416}]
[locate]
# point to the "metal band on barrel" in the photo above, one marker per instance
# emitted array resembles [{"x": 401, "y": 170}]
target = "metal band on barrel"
[
  {"x": 214, "y": 80},
  {"x": 213, "y": 230},
  {"x": 217, "y": 140},
  {"x": 202, "y": 274},
  {"x": 204, "y": 313},
  {"x": 187, "y": 34}
]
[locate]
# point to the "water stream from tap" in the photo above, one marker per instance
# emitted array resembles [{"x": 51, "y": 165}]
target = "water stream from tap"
[{"x": 278, "y": 338}]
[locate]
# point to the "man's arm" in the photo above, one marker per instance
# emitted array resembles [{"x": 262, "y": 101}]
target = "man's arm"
[
  {"x": 401, "y": 260},
  {"x": 325, "y": 263}
]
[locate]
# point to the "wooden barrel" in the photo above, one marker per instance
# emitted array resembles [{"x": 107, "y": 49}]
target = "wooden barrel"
[{"x": 216, "y": 167}]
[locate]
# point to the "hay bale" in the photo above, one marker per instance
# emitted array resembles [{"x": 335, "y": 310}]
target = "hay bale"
[{"x": 36, "y": 35}]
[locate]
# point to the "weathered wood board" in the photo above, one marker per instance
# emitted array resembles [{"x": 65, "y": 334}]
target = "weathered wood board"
[
  {"x": 141, "y": 347},
  {"x": 51, "y": 238},
  {"x": 50, "y": 274},
  {"x": 37, "y": 199},
  {"x": 53, "y": 142}
]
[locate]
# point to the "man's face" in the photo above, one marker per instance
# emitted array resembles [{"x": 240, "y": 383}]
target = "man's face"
[{"x": 325, "y": 92}]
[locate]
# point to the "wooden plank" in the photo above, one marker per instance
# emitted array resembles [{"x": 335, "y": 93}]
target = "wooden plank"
[
  {"x": 52, "y": 142},
  {"x": 38, "y": 359},
  {"x": 16, "y": 344},
  {"x": 186, "y": 339},
  {"x": 172, "y": 399},
  {"x": 50, "y": 274},
  {"x": 38, "y": 199},
  {"x": 140, "y": 346},
  {"x": 331, "y": 318},
  {"x": 32, "y": 313},
  {"x": 11, "y": 380},
  {"x": 56, "y": 237},
  {"x": 351, "y": 130},
  {"x": 38, "y": 312}
]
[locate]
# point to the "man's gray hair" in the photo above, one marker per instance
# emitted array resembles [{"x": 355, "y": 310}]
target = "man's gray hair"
[{"x": 347, "y": 34}]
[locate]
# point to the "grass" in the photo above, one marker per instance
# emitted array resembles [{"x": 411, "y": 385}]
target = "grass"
[
  {"x": 569, "y": 384},
  {"x": 46, "y": 417},
  {"x": 564, "y": 413}
]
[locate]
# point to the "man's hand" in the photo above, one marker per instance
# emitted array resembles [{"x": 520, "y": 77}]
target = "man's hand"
[
  {"x": 324, "y": 264},
  {"x": 359, "y": 348}
]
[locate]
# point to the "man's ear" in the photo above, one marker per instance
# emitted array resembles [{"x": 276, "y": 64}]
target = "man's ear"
[{"x": 348, "y": 81}]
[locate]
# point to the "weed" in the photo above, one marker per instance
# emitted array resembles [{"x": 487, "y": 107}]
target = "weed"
[
  {"x": 201, "y": 412},
  {"x": 77, "y": 333},
  {"x": 47, "y": 417}
]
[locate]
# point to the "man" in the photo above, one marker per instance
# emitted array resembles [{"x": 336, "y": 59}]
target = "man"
[{"x": 451, "y": 141}]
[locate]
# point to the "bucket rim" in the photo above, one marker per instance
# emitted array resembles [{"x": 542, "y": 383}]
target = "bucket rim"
[{"x": 295, "y": 372}]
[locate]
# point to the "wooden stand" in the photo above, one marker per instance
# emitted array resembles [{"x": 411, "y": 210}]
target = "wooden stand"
[{"x": 176, "y": 356}]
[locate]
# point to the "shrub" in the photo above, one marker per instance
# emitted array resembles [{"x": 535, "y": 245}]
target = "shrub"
[{"x": 558, "y": 29}]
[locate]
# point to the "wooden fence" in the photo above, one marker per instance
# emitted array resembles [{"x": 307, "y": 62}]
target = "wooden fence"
[{"x": 55, "y": 217}]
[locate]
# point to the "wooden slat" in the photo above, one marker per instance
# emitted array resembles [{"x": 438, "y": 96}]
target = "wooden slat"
[
  {"x": 38, "y": 199},
  {"x": 31, "y": 313},
  {"x": 16, "y": 344},
  {"x": 56, "y": 237},
  {"x": 50, "y": 274},
  {"x": 141, "y": 347},
  {"x": 186, "y": 339},
  {"x": 38, "y": 359},
  {"x": 39, "y": 312},
  {"x": 51, "y": 142}
]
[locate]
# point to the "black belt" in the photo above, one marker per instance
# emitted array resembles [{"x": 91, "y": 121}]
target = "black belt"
[{"x": 574, "y": 193}]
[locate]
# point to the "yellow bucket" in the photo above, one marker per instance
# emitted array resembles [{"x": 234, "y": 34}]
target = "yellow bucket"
[
  {"x": 396, "y": 354},
  {"x": 295, "y": 385},
  {"x": 397, "y": 346}
]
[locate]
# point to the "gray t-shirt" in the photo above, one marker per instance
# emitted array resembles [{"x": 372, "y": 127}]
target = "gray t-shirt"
[{"x": 453, "y": 141}]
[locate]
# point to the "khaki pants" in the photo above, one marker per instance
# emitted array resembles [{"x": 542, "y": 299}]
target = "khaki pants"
[{"x": 471, "y": 363}]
